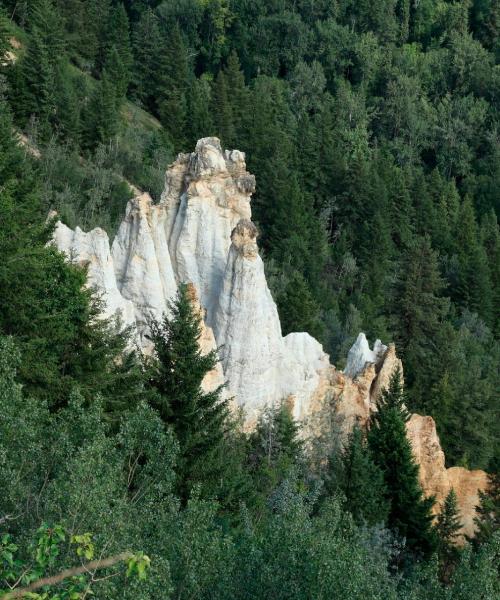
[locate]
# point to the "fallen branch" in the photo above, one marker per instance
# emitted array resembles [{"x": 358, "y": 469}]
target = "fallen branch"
[{"x": 93, "y": 565}]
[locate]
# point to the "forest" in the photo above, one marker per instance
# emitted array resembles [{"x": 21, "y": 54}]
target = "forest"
[{"x": 373, "y": 130}]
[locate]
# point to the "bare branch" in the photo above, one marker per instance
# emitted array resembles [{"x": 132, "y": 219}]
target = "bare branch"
[{"x": 93, "y": 565}]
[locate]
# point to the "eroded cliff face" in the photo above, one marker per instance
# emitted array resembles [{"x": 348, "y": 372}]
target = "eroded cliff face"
[
  {"x": 436, "y": 479},
  {"x": 201, "y": 233}
]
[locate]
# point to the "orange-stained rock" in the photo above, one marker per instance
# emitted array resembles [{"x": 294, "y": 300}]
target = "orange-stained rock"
[
  {"x": 436, "y": 479},
  {"x": 467, "y": 485}
]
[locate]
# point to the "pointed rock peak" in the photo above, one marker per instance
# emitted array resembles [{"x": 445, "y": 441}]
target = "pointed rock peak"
[
  {"x": 360, "y": 355},
  {"x": 207, "y": 159},
  {"x": 244, "y": 239}
]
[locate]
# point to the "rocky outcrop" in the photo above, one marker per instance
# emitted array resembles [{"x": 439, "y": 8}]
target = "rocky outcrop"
[
  {"x": 141, "y": 261},
  {"x": 206, "y": 194},
  {"x": 360, "y": 355},
  {"x": 201, "y": 233},
  {"x": 436, "y": 479},
  {"x": 91, "y": 250}
]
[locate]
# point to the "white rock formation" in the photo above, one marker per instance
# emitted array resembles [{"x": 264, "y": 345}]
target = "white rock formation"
[
  {"x": 206, "y": 194},
  {"x": 142, "y": 261},
  {"x": 201, "y": 233},
  {"x": 360, "y": 355},
  {"x": 247, "y": 326},
  {"x": 91, "y": 250}
]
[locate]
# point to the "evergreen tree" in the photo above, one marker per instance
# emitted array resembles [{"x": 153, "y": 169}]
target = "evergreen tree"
[
  {"x": 172, "y": 83},
  {"x": 223, "y": 113},
  {"x": 146, "y": 48},
  {"x": 117, "y": 35},
  {"x": 473, "y": 289},
  {"x": 200, "y": 123},
  {"x": 198, "y": 418},
  {"x": 418, "y": 314},
  {"x": 237, "y": 94},
  {"x": 116, "y": 73},
  {"x": 101, "y": 118},
  {"x": 410, "y": 514},
  {"x": 447, "y": 528},
  {"x": 362, "y": 482},
  {"x": 275, "y": 452},
  {"x": 487, "y": 518},
  {"x": 298, "y": 309},
  {"x": 37, "y": 82}
]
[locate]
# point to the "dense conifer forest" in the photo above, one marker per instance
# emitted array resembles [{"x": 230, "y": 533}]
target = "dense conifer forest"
[{"x": 373, "y": 130}]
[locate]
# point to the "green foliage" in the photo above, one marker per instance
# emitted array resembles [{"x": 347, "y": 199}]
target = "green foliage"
[
  {"x": 362, "y": 483},
  {"x": 172, "y": 81},
  {"x": 198, "y": 418},
  {"x": 70, "y": 584},
  {"x": 447, "y": 528},
  {"x": 372, "y": 129},
  {"x": 409, "y": 512},
  {"x": 275, "y": 452},
  {"x": 487, "y": 519}
]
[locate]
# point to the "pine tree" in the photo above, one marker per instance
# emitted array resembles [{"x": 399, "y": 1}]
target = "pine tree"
[
  {"x": 487, "y": 518},
  {"x": 37, "y": 81},
  {"x": 276, "y": 452},
  {"x": 298, "y": 309},
  {"x": 200, "y": 123},
  {"x": 117, "y": 74},
  {"x": 223, "y": 113},
  {"x": 410, "y": 514},
  {"x": 198, "y": 418},
  {"x": 146, "y": 45},
  {"x": 171, "y": 85},
  {"x": 447, "y": 527},
  {"x": 473, "y": 289},
  {"x": 117, "y": 35},
  {"x": 237, "y": 93},
  {"x": 101, "y": 118},
  {"x": 418, "y": 316},
  {"x": 362, "y": 482}
]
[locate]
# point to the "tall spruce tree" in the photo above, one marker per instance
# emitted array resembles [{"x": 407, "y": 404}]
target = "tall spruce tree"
[
  {"x": 117, "y": 35},
  {"x": 146, "y": 43},
  {"x": 101, "y": 116},
  {"x": 172, "y": 83},
  {"x": 418, "y": 313},
  {"x": 36, "y": 93},
  {"x": 474, "y": 289},
  {"x": 199, "y": 419},
  {"x": 118, "y": 75},
  {"x": 237, "y": 93},
  {"x": 201, "y": 122},
  {"x": 223, "y": 112},
  {"x": 410, "y": 514},
  {"x": 487, "y": 518},
  {"x": 447, "y": 527},
  {"x": 362, "y": 482}
]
